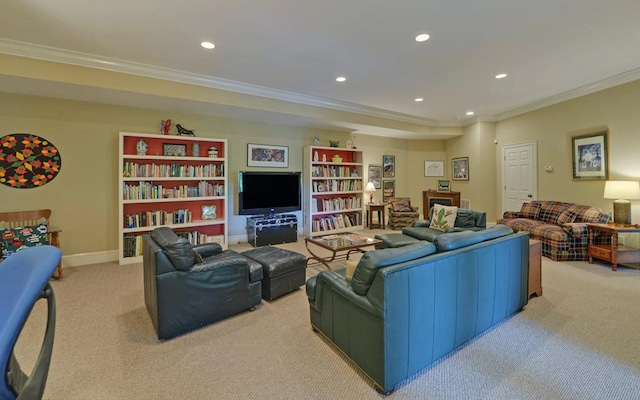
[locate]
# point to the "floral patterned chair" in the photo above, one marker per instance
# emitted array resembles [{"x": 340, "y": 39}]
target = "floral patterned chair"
[{"x": 402, "y": 213}]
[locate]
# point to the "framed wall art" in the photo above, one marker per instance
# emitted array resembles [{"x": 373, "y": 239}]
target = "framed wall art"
[
  {"x": 460, "y": 168},
  {"x": 434, "y": 168},
  {"x": 388, "y": 190},
  {"x": 174, "y": 149},
  {"x": 590, "y": 156},
  {"x": 267, "y": 155},
  {"x": 389, "y": 166},
  {"x": 443, "y": 186},
  {"x": 375, "y": 174},
  {"x": 28, "y": 161}
]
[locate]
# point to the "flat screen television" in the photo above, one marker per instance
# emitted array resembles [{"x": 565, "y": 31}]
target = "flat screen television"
[{"x": 269, "y": 192}]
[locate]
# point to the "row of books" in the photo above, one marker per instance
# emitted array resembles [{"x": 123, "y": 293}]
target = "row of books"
[
  {"x": 332, "y": 222},
  {"x": 132, "y": 244},
  {"x": 320, "y": 171},
  {"x": 174, "y": 170},
  {"x": 147, "y": 190},
  {"x": 337, "y": 185},
  {"x": 157, "y": 218},
  {"x": 336, "y": 204}
]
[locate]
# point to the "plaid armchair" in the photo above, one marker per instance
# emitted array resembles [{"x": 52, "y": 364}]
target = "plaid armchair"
[{"x": 402, "y": 213}]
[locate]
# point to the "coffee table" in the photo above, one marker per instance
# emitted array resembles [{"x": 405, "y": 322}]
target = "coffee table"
[{"x": 349, "y": 242}]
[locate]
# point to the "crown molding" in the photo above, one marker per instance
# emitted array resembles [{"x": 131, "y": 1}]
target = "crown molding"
[
  {"x": 46, "y": 53},
  {"x": 597, "y": 86}
]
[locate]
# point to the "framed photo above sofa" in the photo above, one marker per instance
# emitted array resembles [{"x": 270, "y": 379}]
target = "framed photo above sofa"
[{"x": 590, "y": 156}]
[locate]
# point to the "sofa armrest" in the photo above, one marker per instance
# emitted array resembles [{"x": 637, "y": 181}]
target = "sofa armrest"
[
  {"x": 576, "y": 229},
  {"x": 207, "y": 249},
  {"x": 214, "y": 264},
  {"x": 512, "y": 214},
  {"x": 338, "y": 286},
  {"x": 421, "y": 223}
]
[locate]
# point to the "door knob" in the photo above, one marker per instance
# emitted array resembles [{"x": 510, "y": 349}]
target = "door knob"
[{"x": 529, "y": 195}]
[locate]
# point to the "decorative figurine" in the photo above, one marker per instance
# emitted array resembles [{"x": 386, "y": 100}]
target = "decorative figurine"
[
  {"x": 324, "y": 158},
  {"x": 184, "y": 132},
  {"x": 334, "y": 143},
  {"x": 165, "y": 127},
  {"x": 141, "y": 147},
  {"x": 213, "y": 152},
  {"x": 316, "y": 140},
  {"x": 315, "y": 156}
]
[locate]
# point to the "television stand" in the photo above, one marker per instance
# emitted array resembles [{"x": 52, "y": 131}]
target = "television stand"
[{"x": 264, "y": 230}]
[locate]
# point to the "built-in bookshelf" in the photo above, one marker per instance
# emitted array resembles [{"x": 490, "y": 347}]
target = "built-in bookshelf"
[
  {"x": 174, "y": 181},
  {"x": 334, "y": 185}
]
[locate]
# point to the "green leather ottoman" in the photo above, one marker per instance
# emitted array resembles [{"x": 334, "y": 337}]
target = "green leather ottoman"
[
  {"x": 395, "y": 240},
  {"x": 283, "y": 271}
]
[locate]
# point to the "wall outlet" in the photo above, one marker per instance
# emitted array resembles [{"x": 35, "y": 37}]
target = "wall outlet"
[{"x": 548, "y": 168}]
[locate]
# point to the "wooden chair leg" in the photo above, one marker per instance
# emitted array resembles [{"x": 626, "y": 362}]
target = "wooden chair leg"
[{"x": 56, "y": 242}]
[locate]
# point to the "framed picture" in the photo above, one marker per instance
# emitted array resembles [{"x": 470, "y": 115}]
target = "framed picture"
[
  {"x": 434, "y": 168},
  {"x": 443, "y": 186},
  {"x": 460, "y": 169},
  {"x": 375, "y": 174},
  {"x": 174, "y": 149},
  {"x": 388, "y": 190},
  {"x": 267, "y": 155},
  {"x": 389, "y": 166},
  {"x": 590, "y": 156}
]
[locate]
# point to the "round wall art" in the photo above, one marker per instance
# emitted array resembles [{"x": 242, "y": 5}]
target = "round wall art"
[{"x": 28, "y": 161}]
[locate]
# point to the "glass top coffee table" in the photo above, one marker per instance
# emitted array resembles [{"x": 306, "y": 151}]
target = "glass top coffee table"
[{"x": 349, "y": 242}]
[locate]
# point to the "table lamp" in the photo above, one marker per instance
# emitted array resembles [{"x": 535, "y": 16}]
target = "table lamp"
[
  {"x": 622, "y": 191},
  {"x": 370, "y": 189}
]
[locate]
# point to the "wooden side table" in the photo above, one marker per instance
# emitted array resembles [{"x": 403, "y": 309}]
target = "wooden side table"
[
  {"x": 613, "y": 253},
  {"x": 535, "y": 268},
  {"x": 379, "y": 208}
]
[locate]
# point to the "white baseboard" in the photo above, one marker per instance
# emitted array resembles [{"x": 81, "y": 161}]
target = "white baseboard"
[{"x": 76, "y": 260}]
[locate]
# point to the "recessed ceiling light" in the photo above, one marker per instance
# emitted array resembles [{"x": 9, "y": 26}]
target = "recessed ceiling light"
[
  {"x": 341, "y": 79},
  {"x": 470, "y": 113},
  {"x": 208, "y": 45},
  {"x": 500, "y": 76},
  {"x": 423, "y": 37},
  {"x": 419, "y": 99}
]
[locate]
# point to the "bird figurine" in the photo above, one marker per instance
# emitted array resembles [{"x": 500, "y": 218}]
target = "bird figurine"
[{"x": 184, "y": 132}]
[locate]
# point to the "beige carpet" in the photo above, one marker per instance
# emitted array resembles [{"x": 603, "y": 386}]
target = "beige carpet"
[{"x": 578, "y": 341}]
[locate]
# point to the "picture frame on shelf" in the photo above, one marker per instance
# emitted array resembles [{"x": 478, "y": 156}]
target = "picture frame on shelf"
[
  {"x": 460, "y": 168},
  {"x": 267, "y": 155},
  {"x": 174, "y": 149},
  {"x": 590, "y": 157},
  {"x": 389, "y": 166},
  {"x": 434, "y": 168},
  {"x": 444, "y": 186},
  {"x": 388, "y": 190},
  {"x": 375, "y": 175}
]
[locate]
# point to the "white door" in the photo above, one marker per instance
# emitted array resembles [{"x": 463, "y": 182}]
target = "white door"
[{"x": 519, "y": 175}]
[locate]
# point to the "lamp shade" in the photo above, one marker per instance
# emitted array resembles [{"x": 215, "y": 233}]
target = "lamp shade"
[
  {"x": 622, "y": 190},
  {"x": 370, "y": 187}
]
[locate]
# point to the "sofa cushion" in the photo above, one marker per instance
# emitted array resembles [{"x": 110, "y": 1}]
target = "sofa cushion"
[
  {"x": 456, "y": 240},
  {"x": 550, "y": 210},
  {"x": 372, "y": 261},
  {"x": 443, "y": 218},
  {"x": 530, "y": 210},
  {"x": 495, "y": 231},
  {"x": 176, "y": 248},
  {"x": 420, "y": 233},
  {"x": 465, "y": 218},
  {"x": 421, "y": 223}
]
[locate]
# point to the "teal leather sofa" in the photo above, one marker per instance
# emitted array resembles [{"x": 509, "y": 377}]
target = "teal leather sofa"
[{"x": 407, "y": 307}]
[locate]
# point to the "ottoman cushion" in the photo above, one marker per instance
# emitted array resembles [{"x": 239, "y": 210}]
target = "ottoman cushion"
[{"x": 391, "y": 240}]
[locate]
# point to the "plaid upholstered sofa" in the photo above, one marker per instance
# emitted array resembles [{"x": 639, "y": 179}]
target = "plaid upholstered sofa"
[{"x": 562, "y": 227}]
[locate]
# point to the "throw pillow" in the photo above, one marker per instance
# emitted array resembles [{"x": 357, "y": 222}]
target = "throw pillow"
[
  {"x": 443, "y": 218},
  {"x": 566, "y": 217},
  {"x": 401, "y": 205},
  {"x": 14, "y": 239},
  {"x": 530, "y": 210}
]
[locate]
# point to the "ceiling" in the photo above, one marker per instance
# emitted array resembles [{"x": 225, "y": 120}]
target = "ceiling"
[{"x": 293, "y": 50}]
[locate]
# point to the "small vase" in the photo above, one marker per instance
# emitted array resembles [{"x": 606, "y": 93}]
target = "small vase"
[
  {"x": 195, "y": 150},
  {"x": 315, "y": 156}
]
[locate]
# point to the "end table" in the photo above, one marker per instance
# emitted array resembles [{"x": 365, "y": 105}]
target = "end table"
[{"x": 613, "y": 253}]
